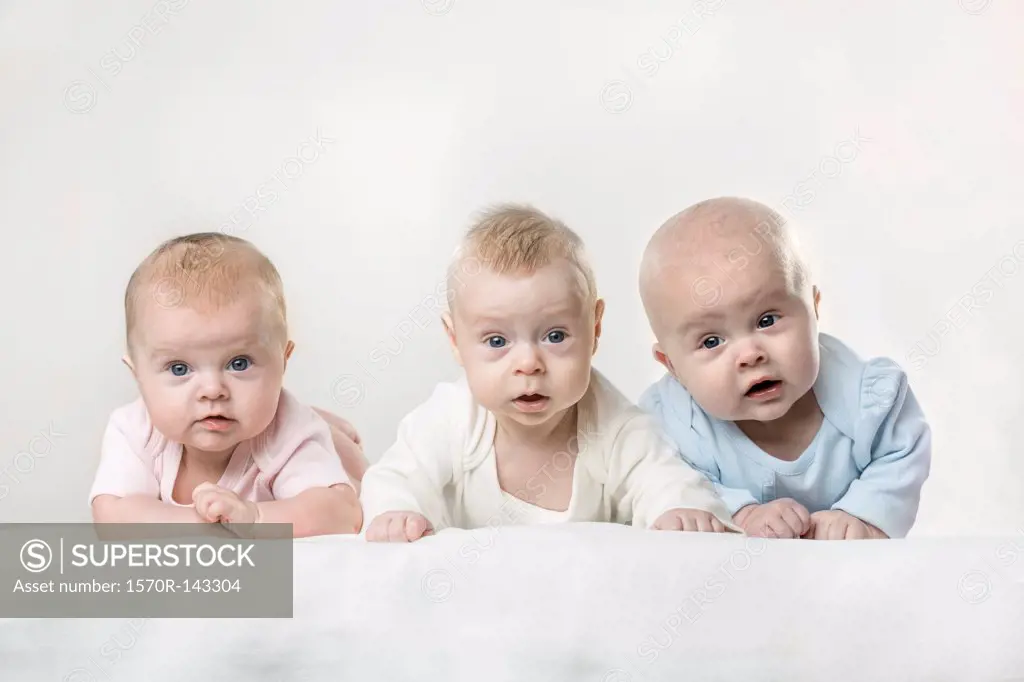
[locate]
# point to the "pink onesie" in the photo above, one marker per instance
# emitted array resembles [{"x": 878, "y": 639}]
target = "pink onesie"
[{"x": 294, "y": 453}]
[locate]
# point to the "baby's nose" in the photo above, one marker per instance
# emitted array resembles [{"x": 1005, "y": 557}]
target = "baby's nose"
[
  {"x": 751, "y": 354},
  {"x": 528, "y": 360},
  {"x": 213, "y": 387}
]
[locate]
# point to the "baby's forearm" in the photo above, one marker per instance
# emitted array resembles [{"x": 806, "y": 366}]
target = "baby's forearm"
[
  {"x": 317, "y": 511},
  {"x": 139, "y": 509}
]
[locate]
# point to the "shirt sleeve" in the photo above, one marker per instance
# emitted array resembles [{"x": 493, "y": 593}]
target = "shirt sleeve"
[
  {"x": 126, "y": 465},
  {"x": 678, "y": 426},
  {"x": 314, "y": 464},
  {"x": 412, "y": 474},
  {"x": 648, "y": 478},
  {"x": 893, "y": 447},
  {"x": 299, "y": 452}
]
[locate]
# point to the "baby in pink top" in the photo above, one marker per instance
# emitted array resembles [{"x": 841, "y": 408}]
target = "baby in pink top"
[{"x": 214, "y": 437}]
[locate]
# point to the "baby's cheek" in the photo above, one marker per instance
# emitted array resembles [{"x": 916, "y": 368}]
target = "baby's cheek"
[
  {"x": 260, "y": 406},
  {"x": 168, "y": 411},
  {"x": 712, "y": 391},
  {"x": 580, "y": 380},
  {"x": 803, "y": 366}
]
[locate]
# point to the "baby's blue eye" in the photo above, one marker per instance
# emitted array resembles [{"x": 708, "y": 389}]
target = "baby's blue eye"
[
  {"x": 496, "y": 341},
  {"x": 770, "y": 318},
  {"x": 178, "y": 369},
  {"x": 240, "y": 364},
  {"x": 711, "y": 342},
  {"x": 556, "y": 336}
]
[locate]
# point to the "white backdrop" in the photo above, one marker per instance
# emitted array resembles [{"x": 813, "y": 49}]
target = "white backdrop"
[{"x": 353, "y": 142}]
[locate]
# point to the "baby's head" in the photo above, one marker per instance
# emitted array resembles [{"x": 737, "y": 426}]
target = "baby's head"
[
  {"x": 207, "y": 339},
  {"x": 730, "y": 301},
  {"x": 524, "y": 317}
]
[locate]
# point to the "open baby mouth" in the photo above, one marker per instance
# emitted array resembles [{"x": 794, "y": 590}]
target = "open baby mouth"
[
  {"x": 531, "y": 398},
  {"x": 763, "y": 387}
]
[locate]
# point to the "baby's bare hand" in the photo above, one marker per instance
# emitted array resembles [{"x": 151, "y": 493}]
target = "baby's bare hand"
[
  {"x": 694, "y": 520},
  {"x": 783, "y": 518},
  {"x": 398, "y": 527},
  {"x": 835, "y": 524},
  {"x": 219, "y": 505}
]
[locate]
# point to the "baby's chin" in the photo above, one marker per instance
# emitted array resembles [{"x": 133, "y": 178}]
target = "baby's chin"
[
  {"x": 763, "y": 413},
  {"x": 739, "y": 413}
]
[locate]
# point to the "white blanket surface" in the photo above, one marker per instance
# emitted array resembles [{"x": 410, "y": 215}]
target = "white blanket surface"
[{"x": 582, "y": 602}]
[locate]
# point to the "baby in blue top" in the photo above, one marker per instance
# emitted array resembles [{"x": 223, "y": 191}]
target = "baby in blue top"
[{"x": 801, "y": 438}]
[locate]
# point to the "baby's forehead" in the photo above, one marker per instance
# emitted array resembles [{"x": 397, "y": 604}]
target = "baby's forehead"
[
  {"x": 698, "y": 293},
  {"x": 718, "y": 239},
  {"x": 245, "y": 320},
  {"x": 553, "y": 288},
  {"x": 558, "y": 276}
]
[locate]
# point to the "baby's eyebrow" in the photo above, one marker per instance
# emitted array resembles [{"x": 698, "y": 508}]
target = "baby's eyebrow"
[
  {"x": 560, "y": 311},
  {"x": 164, "y": 352},
  {"x": 755, "y": 298},
  {"x": 687, "y": 326},
  {"x": 236, "y": 345},
  {"x": 486, "y": 321}
]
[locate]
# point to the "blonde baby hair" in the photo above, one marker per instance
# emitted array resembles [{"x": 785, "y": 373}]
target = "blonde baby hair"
[
  {"x": 205, "y": 269},
  {"x": 510, "y": 238}
]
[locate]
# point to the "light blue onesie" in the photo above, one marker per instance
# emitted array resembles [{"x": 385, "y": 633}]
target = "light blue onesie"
[{"x": 870, "y": 457}]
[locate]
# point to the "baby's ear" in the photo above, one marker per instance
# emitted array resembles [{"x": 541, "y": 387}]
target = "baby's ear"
[
  {"x": 288, "y": 348},
  {"x": 127, "y": 360},
  {"x": 662, "y": 358},
  {"x": 598, "y": 316},
  {"x": 449, "y": 330},
  {"x": 816, "y": 293}
]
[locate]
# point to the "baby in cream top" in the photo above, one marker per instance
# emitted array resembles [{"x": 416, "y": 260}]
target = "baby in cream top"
[
  {"x": 444, "y": 466},
  {"x": 531, "y": 433}
]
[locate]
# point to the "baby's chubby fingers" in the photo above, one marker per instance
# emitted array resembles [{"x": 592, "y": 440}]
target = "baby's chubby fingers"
[
  {"x": 203, "y": 497},
  {"x": 377, "y": 530},
  {"x": 823, "y": 526},
  {"x": 206, "y": 490},
  {"x": 241, "y": 512},
  {"x": 689, "y": 520},
  {"x": 211, "y": 507},
  {"x": 709, "y": 523},
  {"x": 398, "y": 527},
  {"x": 837, "y": 529},
  {"x": 703, "y": 521},
  {"x": 803, "y": 514},
  {"x": 856, "y": 530},
  {"x": 670, "y": 520},
  {"x": 218, "y": 509},
  {"x": 811, "y": 527},
  {"x": 416, "y": 527},
  {"x": 797, "y": 524},
  {"x": 769, "y": 524},
  {"x": 776, "y": 527},
  {"x": 714, "y": 524}
]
